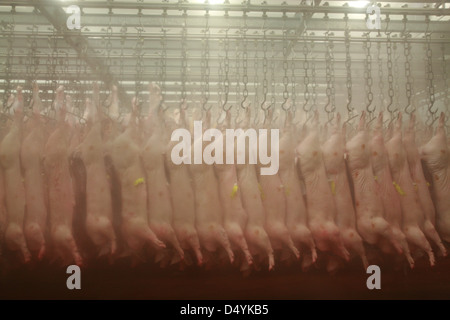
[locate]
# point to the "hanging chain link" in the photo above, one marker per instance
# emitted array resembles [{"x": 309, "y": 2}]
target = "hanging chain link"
[
  {"x": 328, "y": 74},
  {"x": 445, "y": 78},
  {"x": 293, "y": 80},
  {"x": 313, "y": 79},
  {"x": 380, "y": 76},
  {"x": 285, "y": 66},
  {"x": 306, "y": 76},
  {"x": 140, "y": 60},
  {"x": 390, "y": 76},
  {"x": 368, "y": 74},
  {"x": 348, "y": 65},
  {"x": 227, "y": 69},
  {"x": 207, "y": 68},
  {"x": 183, "y": 58},
  {"x": 430, "y": 74},
  {"x": 220, "y": 83},
  {"x": 256, "y": 76},
  {"x": 244, "y": 60},
  {"x": 408, "y": 82},
  {"x": 272, "y": 71},
  {"x": 123, "y": 37},
  {"x": 9, "y": 30},
  {"x": 237, "y": 68},
  {"x": 265, "y": 82}
]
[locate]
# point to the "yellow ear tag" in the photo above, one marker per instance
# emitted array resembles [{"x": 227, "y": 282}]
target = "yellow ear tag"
[
  {"x": 398, "y": 188},
  {"x": 138, "y": 181},
  {"x": 234, "y": 190},
  {"x": 261, "y": 191},
  {"x": 415, "y": 186},
  {"x": 287, "y": 190},
  {"x": 333, "y": 187},
  {"x": 428, "y": 184},
  {"x": 375, "y": 178}
]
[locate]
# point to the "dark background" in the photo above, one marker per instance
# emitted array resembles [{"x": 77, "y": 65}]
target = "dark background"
[{"x": 147, "y": 281}]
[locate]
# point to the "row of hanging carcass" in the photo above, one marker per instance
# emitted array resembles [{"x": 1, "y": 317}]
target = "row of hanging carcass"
[{"x": 76, "y": 192}]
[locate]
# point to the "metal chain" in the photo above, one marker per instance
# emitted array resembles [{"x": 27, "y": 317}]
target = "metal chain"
[
  {"x": 306, "y": 77},
  {"x": 390, "y": 76},
  {"x": 430, "y": 74},
  {"x": 237, "y": 68},
  {"x": 256, "y": 77},
  {"x": 9, "y": 30},
  {"x": 285, "y": 67},
  {"x": 368, "y": 75},
  {"x": 408, "y": 82},
  {"x": 244, "y": 60},
  {"x": 207, "y": 68},
  {"x": 227, "y": 69},
  {"x": 348, "y": 65},
  {"x": 183, "y": 58},
  {"x": 293, "y": 80},
  {"x": 328, "y": 58},
  {"x": 445, "y": 77},
  {"x": 164, "y": 55},
  {"x": 203, "y": 66},
  {"x": 109, "y": 32},
  {"x": 140, "y": 60},
  {"x": 220, "y": 83},
  {"x": 123, "y": 37},
  {"x": 313, "y": 79},
  {"x": 265, "y": 82},
  {"x": 272, "y": 71},
  {"x": 396, "y": 73},
  {"x": 380, "y": 76}
]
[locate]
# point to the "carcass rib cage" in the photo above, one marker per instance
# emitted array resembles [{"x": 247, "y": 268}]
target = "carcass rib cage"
[{"x": 186, "y": 47}]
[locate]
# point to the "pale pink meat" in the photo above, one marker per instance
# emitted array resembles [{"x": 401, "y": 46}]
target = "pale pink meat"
[
  {"x": 319, "y": 199},
  {"x": 159, "y": 203},
  {"x": 32, "y": 156},
  {"x": 333, "y": 155},
  {"x": 255, "y": 233},
  {"x": 15, "y": 191},
  {"x": 370, "y": 221},
  {"x": 413, "y": 215},
  {"x": 274, "y": 202},
  {"x": 420, "y": 185},
  {"x": 125, "y": 153},
  {"x": 60, "y": 188},
  {"x": 183, "y": 200},
  {"x": 388, "y": 195},
  {"x": 435, "y": 154},
  {"x": 296, "y": 214},
  {"x": 208, "y": 211},
  {"x": 235, "y": 216},
  {"x": 98, "y": 197}
]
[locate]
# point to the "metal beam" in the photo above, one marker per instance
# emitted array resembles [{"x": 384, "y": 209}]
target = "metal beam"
[
  {"x": 57, "y": 17},
  {"x": 175, "y": 22},
  {"x": 234, "y": 7}
]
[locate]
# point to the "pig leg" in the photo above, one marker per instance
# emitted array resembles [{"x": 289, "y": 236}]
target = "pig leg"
[
  {"x": 66, "y": 243},
  {"x": 15, "y": 240},
  {"x": 280, "y": 232},
  {"x": 302, "y": 234},
  {"x": 353, "y": 241},
  {"x": 236, "y": 235},
  {"x": 431, "y": 233},
  {"x": 166, "y": 233},
  {"x": 416, "y": 236},
  {"x": 258, "y": 236},
  {"x": 36, "y": 241}
]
